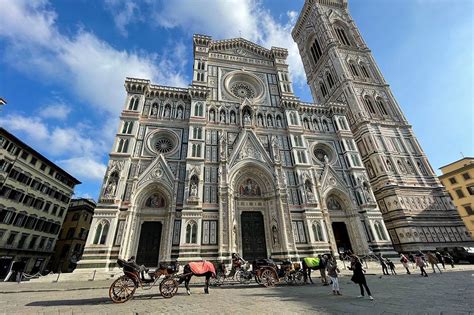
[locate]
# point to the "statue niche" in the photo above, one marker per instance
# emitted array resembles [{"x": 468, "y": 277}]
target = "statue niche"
[
  {"x": 250, "y": 188},
  {"x": 155, "y": 201}
]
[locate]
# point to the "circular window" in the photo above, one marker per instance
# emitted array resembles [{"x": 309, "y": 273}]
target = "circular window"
[
  {"x": 241, "y": 85},
  {"x": 242, "y": 90},
  {"x": 163, "y": 145},
  {"x": 162, "y": 141},
  {"x": 323, "y": 153}
]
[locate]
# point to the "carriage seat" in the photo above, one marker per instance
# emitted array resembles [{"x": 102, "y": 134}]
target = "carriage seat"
[{"x": 170, "y": 267}]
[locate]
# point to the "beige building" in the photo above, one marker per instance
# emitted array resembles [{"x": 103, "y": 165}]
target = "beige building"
[
  {"x": 34, "y": 196},
  {"x": 458, "y": 178},
  {"x": 72, "y": 237}
]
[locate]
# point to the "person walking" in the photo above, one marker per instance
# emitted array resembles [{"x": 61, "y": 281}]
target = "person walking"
[
  {"x": 404, "y": 261},
  {"x": 20, "y": 268},
  {"x": 449, "y": 259},
  {"x": 431, "y": 258},
  {"x": 440, "y": 259},
  {"x": 322, "y": 269},
  {"x": 383, "y": 263},
  {"x": 332, "y": 273},
  {"x": 358, "y": 277},
  {"x": 391, "y": 265},
  {"x": 420, "y": 263}
]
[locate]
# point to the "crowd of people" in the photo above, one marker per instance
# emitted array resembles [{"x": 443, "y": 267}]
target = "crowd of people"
[{"x": 417, "y": 260}]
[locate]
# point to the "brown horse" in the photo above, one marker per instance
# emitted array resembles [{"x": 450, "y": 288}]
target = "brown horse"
[{"x": 198, "y": 269}]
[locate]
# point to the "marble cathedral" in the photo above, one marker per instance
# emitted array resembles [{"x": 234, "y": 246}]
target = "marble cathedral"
[{"x": 237, "y": 163}]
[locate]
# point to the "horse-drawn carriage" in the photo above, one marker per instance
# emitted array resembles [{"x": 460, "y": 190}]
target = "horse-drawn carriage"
[{"x": 136, "y": 276}]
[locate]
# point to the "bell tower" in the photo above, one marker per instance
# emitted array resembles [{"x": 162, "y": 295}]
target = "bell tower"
[{"x": 339, "y": 67}]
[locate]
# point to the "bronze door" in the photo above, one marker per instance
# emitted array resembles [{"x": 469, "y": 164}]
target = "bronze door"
[
  {"x": 253, "y": 236},
  {"x": 149, "y": 244}
]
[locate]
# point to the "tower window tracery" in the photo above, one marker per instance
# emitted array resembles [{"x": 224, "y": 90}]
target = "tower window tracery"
[{"x": 316, "y": 51}]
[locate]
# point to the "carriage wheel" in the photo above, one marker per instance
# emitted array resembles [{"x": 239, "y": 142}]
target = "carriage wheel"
[
  {"x": 268, "y": 278},
  {"x": 240, "y": 277},
  {"x": 298, "y": 278},
  {"x": 168, "y": 288},
  {"x": 122, "y": 289}
]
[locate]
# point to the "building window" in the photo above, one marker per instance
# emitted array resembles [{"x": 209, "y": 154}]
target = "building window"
[
  {"x": 101, "y": 233},
  {"x": 380, "y": 231},
  {"x": 198, "y": 109},
  {"x": 364, "y": 71},
  {"x": 123, "y": 146},
  {"x": 70, "y": 233},
  {"x": 453, "y": 180},
  {"x": 299, "y": 231},
  {"x": 330, "y": 80},
  {"x": 341, "y": 35},
  {"x": 323, "y": 88},
  {"x": 318, "y": 232},
  {"x": 293, "y": 119},
  {"x": 22, "y": 240},
  {"x": 33, "y": 161},
  {"x": 24, "y": 155},
  {"x": 316, "y": 51},
  {"x": 370, "y": 106},
  {"x": 468, "y": 210},
  {"x": 459, "y": 193},
  {"x": 191, "y": 233},
  {"x": 133, "y": 105},
  {"x": 127, "y": 127},
  {"x": 41, "y": 243},
  {"x": 75, "y": 217},
  {"x": 353, "y": 69},
  {"x": 466, "y": 176},
  {"x": 33, "y": 242},
  {"x": 196, "y": 150},
  {"x": 209, "y": 232},
  {"x": 470, "y": 190},
  {"x": 11, "y": 238},
  {"x": 381, "y": 106}
]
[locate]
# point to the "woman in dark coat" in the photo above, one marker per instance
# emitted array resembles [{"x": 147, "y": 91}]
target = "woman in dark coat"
[{"x": 359, "y": 277}]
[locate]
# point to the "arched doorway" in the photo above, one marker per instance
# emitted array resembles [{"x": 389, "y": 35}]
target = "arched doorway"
[{"x": 256, "y": 221}]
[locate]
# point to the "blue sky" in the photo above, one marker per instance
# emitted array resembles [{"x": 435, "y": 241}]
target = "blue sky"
[{"x": 63, "y": 63}]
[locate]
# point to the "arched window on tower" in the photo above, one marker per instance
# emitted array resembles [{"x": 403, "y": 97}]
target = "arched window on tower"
[
  {"x": 365, "y": 72},
  {"x": 293, "y": 119},
  {"x": 318, "y": 232},
  {"x": 380, "y": 231},
  {"x": 370, "y": 106},
  {"x": 329, "y": 79},
  {"x": 133, "y": 104},
  {"x": 316, "y": 51},
  {"x": 353, "y": 69},
  {"x": 323, "y": 88},
  {"x": 101, "y": 233},
  {"x": 381, "y": 106},
  {"x": 191, "y": 233},
  {"x": 341, "y": 35}
]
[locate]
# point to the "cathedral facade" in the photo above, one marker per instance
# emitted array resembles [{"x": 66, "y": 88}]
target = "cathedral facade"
[{"x": 237, "y": 163}]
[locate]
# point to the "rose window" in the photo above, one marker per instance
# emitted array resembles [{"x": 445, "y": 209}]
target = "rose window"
[
  {"x": 163, "y": 145},
  {"x": 320, "y": 154},
  {"x": 242, "y": 90},
  {"x": 162, "y": 142}
]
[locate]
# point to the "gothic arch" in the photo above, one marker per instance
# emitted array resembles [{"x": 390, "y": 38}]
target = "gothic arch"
[
  {"x": 254, "y": 170},
  {"x": 142, "y": 195}
]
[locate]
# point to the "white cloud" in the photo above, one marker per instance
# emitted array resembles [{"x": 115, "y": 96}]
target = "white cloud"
[
  {"x": 84, "y": 167},
  {"x": 234, "y": 18},
  {"x": 123, "y": 12},
  {"x": 90, "y": 66},
  {"x": 55, "y": 111}
]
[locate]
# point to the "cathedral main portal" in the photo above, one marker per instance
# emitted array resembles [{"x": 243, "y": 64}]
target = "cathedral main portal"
[
  {"x": 253, "y": 235},
  {"x": 149, "y": 244}
]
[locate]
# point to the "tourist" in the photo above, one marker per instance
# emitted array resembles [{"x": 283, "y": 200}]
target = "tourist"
[
  {"x": 404, "y": 262},
  {"x": 322, "y": 270},
  {"x": 391, "y": 265},
  {"x": 332, "y": 273},
  {"x": 359, "y": 277},
  {"x": 440, "y": 259},
  {"x": 420, "y": 263},
  {"x": 411, "y": 258},
  {"x": 433, "y": 261},
  {"x": 20, "y": 268},
  {"x": 449, "y": 259},
  {"x": 383, "y": 263}
]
